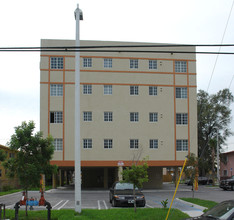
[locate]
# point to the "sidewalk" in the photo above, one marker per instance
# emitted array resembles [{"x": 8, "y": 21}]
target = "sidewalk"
[{"x": 196, "y": 210}]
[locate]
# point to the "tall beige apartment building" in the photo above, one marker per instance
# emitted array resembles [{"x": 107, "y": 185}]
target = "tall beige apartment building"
[{"x": 133, "y": 105}]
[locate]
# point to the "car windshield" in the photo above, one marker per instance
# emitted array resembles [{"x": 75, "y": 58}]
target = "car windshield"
[
  {"x": 222, "y": 210},
  {"x": 123, "y": 186}
]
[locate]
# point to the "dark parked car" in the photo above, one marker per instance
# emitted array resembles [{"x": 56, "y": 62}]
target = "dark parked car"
[
  {"x": 227, "y": 184},
  {"x": 122, "y": 194},
  {"x": 201, "y": 180},
  {"x": 222, "y": 211}
]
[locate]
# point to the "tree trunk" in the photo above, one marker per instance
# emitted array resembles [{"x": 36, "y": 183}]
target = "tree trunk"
[
  {"x": 26, "y": 206},
  {"x": 134, "y": 195}
]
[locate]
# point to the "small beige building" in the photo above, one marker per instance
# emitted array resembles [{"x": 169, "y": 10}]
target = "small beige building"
[{"x": 133, "y": 105}]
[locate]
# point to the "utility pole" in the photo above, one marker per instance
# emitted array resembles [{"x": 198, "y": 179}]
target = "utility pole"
[
  {"x": 78, "y": 17},
  {"x": 218, "y": 174}
]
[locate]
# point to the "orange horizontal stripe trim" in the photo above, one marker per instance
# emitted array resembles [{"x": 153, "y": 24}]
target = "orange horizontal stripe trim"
[
  {"x": 119, "y": 84},
  {"x": 71, "y": 83},
  {"x": 119, "y": 71},
  {"x": 161, "y": 163},
  {"x": 133, "y": 58}
]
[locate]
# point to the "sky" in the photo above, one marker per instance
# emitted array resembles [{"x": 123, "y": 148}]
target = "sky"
[{"x": 24, "y": 23}]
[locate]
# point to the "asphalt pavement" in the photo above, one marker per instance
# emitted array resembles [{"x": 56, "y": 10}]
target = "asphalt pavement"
[{"x": 64, "y": 198}]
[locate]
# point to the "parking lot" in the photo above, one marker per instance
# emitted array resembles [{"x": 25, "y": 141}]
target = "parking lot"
[{"x": 63, "y": 198}]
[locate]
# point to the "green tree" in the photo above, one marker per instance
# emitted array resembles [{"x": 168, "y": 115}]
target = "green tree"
[
  {"x": 191, "y": 169},
  {"x": 33, "y": 157},
  {"x": 214, "y": 117},
  {"x": 137, "y": 174},
  {"x": 2, "y": 155}
]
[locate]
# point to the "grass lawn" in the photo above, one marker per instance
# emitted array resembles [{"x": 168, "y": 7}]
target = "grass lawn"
[
  {"x": 21, "y": 190},
  {"x": 113, "y": 214},
  {"x": 205, "y": 203}
]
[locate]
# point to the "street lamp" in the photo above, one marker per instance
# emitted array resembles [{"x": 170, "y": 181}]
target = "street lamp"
[{"x": 78, "y": 17}]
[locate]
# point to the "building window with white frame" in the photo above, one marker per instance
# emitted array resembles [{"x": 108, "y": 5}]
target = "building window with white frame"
[
  {"x": 133, "y": 64},
  {"x": 56, "y": 117},
  {"x": 87, "y": 89},
  {"x": 107, "y": 63},
  {"x": 181, "y": 66},
  {"x": 153, "y": 116},
  {"x": 87, "y": 62},
  {"x": 152, "y": 64},
  {"x": 181, "y": 118},
  {"x": 134, "y": 116},
  {"x": 56, "y": 89},
  {"x": 181, "y": 145},
  {"x": 134, "y": 90},
  {"x": 108, "y": 143},
  {"x": 134, "y": 143},
  {"x": 153, "y": 144},
  {"x": 181, "y": 93},
  {"x": 108, "y": 116},
  {"x": 87, "y": 116},
  {"x": 153, "y": 90},
  {"x": 56, "y": 62},
  {"x": 87, "y": 143},
  {"x": 107, "y": 89},
  {"x": 58, "y": 144}
]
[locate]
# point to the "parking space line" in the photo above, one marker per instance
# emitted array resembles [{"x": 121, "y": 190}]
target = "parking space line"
[
  {"x": 57, "y": 204},
  {"x": 149, "y": 206},
  {"x": 99, "y": 206},
  {"x": 105, "y": 204},
  {"x": 63, "y": 205}
]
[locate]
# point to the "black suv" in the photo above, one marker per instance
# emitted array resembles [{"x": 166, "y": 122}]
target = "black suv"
[{"x": 227, "y": 184}]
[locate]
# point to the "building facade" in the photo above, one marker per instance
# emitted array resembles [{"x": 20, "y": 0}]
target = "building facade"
[
  {"x": 7, "y": 183},
  {"x": 227, "y": 165},
  {"x": 133, "y": 105}
]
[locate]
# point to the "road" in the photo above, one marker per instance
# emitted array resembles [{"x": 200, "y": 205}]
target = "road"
[{"x": 63, "y": 198}]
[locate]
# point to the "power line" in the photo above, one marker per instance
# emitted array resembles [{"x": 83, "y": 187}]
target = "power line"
[{"x": 118, "y": 51}]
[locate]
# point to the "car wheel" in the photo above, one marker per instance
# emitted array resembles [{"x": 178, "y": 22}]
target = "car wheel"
[
  {"x": 142, "y": 204},
  {"x": 232, "y": 187},
  {"x": 110, "y": 200}
]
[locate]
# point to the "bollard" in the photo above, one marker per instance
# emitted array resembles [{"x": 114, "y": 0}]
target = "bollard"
[
  {"x": 17, "y": 206},
  {"x": 48, "y": 206}
]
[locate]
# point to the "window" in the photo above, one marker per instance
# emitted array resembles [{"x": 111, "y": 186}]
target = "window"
[
  {"x": 134, "y": 64},
  {"x": 180, "y": 66},
  {"x": 153, "y": 90},
  {"x": 108, "y": 116},
  {"x": 181, "y": 93},
  {"x": 107, "y": 63},
  {"x": 153, "y": 144},
  {"x": 108, "y": 143},
  {"x": 56, "y": 90},
  {"x": 181, "y": 145},
  {"x": 134, "y": 90},
  {"x": 225, "y": 172},
  {"x": 87, "y": 143},
  {"x": 87, "y": 116},
  {"x": 56, "y": 117},
  {"x": 58, "y": 144},
  {"x": 153, "y": 116},
  {"x": 182, "y": 119},
  {"x": 107, "y": 89},
  {"x": 56, "y": 62},
  {"x": 134, "y": 143},
  {"x": 11, "y": 155},
  {"x": 87, "y": 89},
  {"x": 134, "y": 116},
  {"x": 87, "y": 62},
  {"x": 152, "y": 64}
]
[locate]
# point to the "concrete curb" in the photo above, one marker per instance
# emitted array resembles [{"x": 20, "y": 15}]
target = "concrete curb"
[{"x": 197, "y": 209}]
